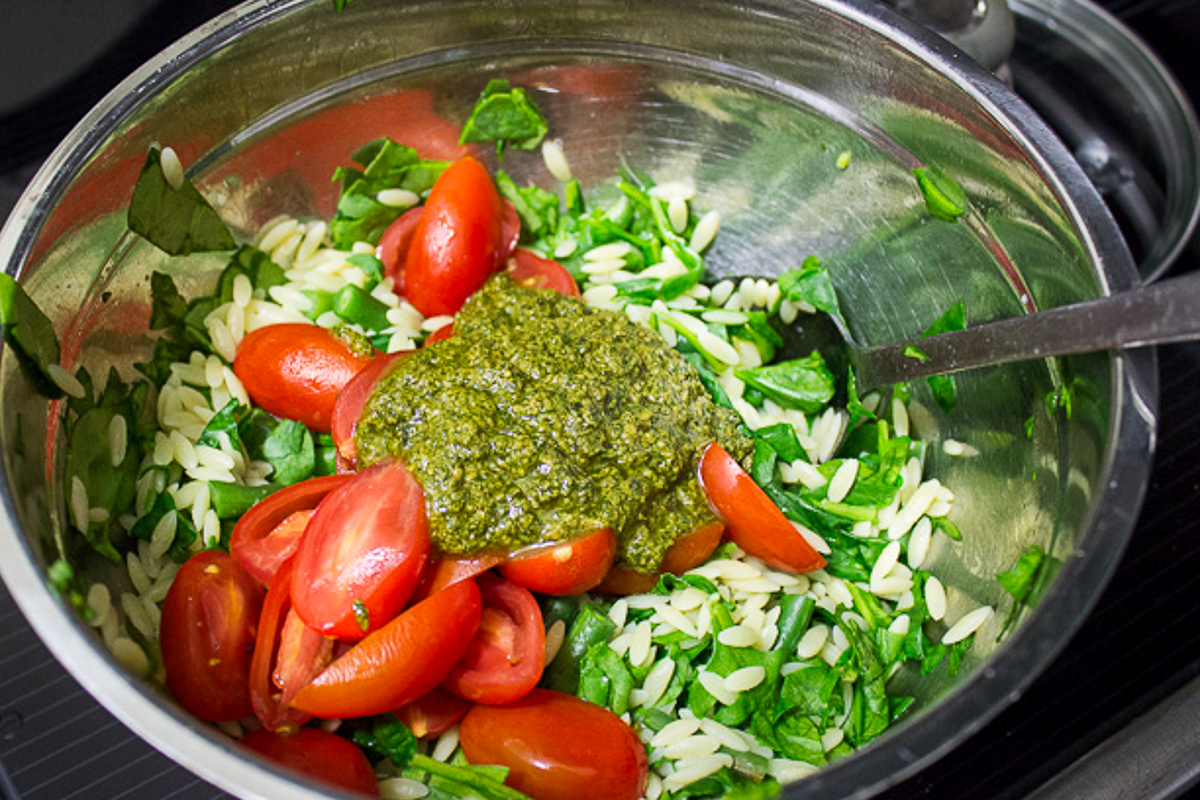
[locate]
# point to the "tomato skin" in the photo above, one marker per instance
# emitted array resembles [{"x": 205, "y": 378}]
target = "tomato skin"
[
  {"x": 268, "y": 534},
  {"x": 207, "y": 633},
  {"x": 459, "y": 241},
  {"x": 316, "y": 754},
  {"x": 272, "y": 687},
  {"x": 434, "y": 713},
  {"x": 569, "y": 568},
  {"x": 351, "y": 400},
  {"x": 688, "y": 552},
  {"x": 401, "y": 661},
  {"x": 752, "y": 521},
  {"x": 558, "y": 747},
  {"x": 295, "y": 370},
  {"x": 440, "y": 335},
  {"x": 395, "y": 243},
  {"x": 529, "y": 269},
  {"x": 444, "y": 571},
  {"x": 506, "y": 657},
  {"x": 364, "y": 549}
]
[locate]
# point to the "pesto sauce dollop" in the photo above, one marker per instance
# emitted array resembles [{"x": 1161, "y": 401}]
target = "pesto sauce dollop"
[{"x": 542, "y": 419}]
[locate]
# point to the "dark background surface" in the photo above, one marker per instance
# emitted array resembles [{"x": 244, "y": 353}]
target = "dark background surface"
[{"x": 1140, "y": 645}]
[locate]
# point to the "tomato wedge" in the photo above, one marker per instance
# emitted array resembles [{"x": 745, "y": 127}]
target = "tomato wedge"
[
  {"x": 564, "y": 569},
  {"x": 689, "y": 551},
  {"x": 352, "y": 398},
  {"x": 325, "y": 757},
  {"x": 446, "y": 570},
  {"x": 558, "y": 747},
  {"x": 752, "y": 521},
  {"x": 269, "y": 533},
  {"x": 460, "y": 240},
  {"x": 207, "y": 633},
  {"x": 529, "y": 269},
  {"x": 506, "y": 657},
  {"x": 434, "y": 713},
  {"x": 287, "y": 656},
  {"x": 394, "y": 244},
  {"x": 440, "y": 335},
  {"x": 295, "y": 371},
  {"x": 401, "y": 661},
  {"x": 363, "y": 553}
]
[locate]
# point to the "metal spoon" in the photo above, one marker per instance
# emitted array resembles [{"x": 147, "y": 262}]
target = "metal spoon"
[{"x": 1168, "y": 311}]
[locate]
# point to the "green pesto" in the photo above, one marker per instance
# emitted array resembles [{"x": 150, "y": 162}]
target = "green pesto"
[{"x": 542, "y": 418}]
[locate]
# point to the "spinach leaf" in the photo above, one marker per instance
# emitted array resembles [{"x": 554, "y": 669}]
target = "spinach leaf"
[
  {"x": 589, "y": 628},
  {"x": 782, "y": 439},
  {"x": 506, "y": 116},
  {"x": 943, "y": 387},
  {"x": 537, "y": 208},
  {"x": 802, "y": 383},
  {"x": 185, "y": 531},
  {"x": 385, "y": 165},
  {"x": 176, "y": 221},
  {"x": 390, "y": 739},
  {"x": 290, "y": 449},
  {"x": 30, "y": 334},
  {"x": 811, "y": 284}
]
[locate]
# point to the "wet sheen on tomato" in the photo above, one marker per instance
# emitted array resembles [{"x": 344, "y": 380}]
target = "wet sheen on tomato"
[
  {"x": 362, "y": 553},
  {"x": 316, "y": 754}
]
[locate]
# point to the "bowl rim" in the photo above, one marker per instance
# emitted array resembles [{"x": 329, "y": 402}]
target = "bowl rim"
[{"x": 964, "y": 710}]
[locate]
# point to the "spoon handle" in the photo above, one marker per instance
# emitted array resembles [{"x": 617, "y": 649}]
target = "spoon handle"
[{"x": 1167, "y": 311}]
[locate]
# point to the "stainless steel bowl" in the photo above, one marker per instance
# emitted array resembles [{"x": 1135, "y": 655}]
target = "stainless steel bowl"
[{"x": 755, "y": 102}]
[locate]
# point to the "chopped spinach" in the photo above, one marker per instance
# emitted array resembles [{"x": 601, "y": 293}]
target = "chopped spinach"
[
  {"x": 176, "y": 221},
  {"x": 507, "y": 116},
  {"x": 29, "y": 333}
]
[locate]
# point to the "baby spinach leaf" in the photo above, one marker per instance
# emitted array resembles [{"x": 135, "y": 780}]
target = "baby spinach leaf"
[
  {"x": 537, "y": 208},
  {"x": 30, "y": 334},
  {"x": 802, "y": 383},
  {"x": 506, "y": 116},
  {"x": 185, "y": 532},
  {"x": 943, "y": 387},
  {"x": 811, "y": 284},
  {"x": 176, "y": 221},
  {"x": 385, "y": 165},
  {"x": 290, "y": 450}
]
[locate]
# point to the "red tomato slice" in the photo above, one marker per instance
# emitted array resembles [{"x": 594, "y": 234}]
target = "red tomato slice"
[
  {"x": 506, "y": 657},
  {"x": 353, "y": 398},
  {"x": 510, "y": 229},
  {"x": 558, "y": 747},
  {"x": 316, "y": 754},
  {"x": 207, "y": 634},
  {"x": 689, "y": 551},
  {"x": 433, "y": 714},
  {"x": 269, "y": 533},
  {"x": 447, "y": 570},
  {"x": 286, "y": 658},
  {"x": 401, "y": 661},
  {"x": 295, "y": 370},
  {"x": 564, "y": 569},
  {"x": 362, "y": 554},
  {"x": 529, "y": 269},
  {"x": 752, "y": 521},
  {"x": 460, "y": 240},
  {"x": 394, "y": 245},
  {"x": 441, "y": 334}
]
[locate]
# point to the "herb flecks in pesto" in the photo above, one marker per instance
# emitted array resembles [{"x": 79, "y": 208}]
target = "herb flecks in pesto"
[{"x": 541, "y": 419}]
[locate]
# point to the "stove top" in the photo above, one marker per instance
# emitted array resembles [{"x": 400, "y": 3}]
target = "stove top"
[{"x": 1115, "y": 716}]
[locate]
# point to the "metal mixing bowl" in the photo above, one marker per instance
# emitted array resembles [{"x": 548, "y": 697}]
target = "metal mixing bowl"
[{"x": 753, "y": 101}]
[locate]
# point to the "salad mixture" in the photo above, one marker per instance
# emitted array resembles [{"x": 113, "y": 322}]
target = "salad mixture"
[{"x": 487, "y": 490}]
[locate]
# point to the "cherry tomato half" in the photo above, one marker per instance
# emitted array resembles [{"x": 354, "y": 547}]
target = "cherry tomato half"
[
  {"x": 207, "y": 634},
  {"x": 401, "y": 661},
  {"x": 394, "y": 245},
  {"x": 316, "y": 754},
  {"x": 295, "y": 370},
  {"x": 287, "y": 656},
  {"x": 752, "y": 521},
  {"x": 459, "y": 241},
  {"x": 440, "y": 335},
  {"x": 433, "y": 714},
  {"x": 363, "y": 553},
  {"x": 689, "y": 551},
  {"x": 558, "y": 747},
  {"x": 529, "y": 269},
  {"x": 564, "y": 569},
  {"x": 446, "y": 570},
  {"x": 506, "y": 657},
  {"x": 269, "y": 533},
  {"x": 352, "y": 398}
]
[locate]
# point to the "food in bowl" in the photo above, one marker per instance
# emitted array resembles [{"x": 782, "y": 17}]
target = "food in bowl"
[{"x": 743, "y": 664}]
